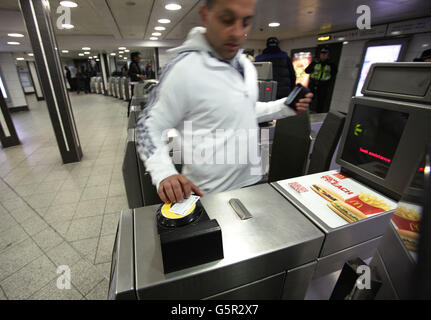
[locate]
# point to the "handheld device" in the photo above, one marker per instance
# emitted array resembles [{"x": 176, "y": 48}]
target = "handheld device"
[{"x": 295, "y": 95}]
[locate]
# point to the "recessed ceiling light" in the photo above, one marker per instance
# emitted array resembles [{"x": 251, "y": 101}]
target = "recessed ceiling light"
[
  {"x": 173, "y": 6},
  {"x": 13, "y": 43},
  {"x": 120, "y": 55},
  {"x": 90, "y": 58},
  {"x": 113, "y": 54},
  {"x": 121, "y": 52},
  {"x": 341, "y": 39},
  {"x": 425, "y": 45},
  {"x": 125, "y": 58},
  {"x": 15, "y": 35},
  {"x": 67, "y": 26},
  {"x": 80, "y": 54},
  {"x": 345, "y": 42},
  {"x": 65, "y": 51},
  {"x": 122, "y": 48},
  {"x": 154, "y": 38},
  {"x": 86, "y": 52},
  {"x": 156, "y": 34},
  {"x": 97, "y": 59},
  {"x": 20, "y": 59},
  {"x": 395, "y": 33},
  {"x": 30, "y": 54},
  {"x": 159, "y": 28},
  {"x": 94, "y": 56},
  {"x": 69, "y": 4},
  {"x": 274, "y": 24},
  {"x": 127, "y": 50},
  {"x": 164, "y": 21},
  {"x": 86, "y": 48}
]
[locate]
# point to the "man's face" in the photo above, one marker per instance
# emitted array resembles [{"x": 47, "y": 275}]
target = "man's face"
[
  {"x": 138, "y": 58},
  {"x": 324, "y": 56},
  {"x": 228, "y": 23}
]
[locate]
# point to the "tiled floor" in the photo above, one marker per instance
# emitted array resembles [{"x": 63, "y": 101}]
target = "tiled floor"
[{"x": 53, "y": 214}]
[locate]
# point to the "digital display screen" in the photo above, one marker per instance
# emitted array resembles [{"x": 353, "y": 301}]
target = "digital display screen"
[
  {"x": 373, "y": 137},
  {"x": 374, "y": 54},
  {"x": 300, "y": 61}
]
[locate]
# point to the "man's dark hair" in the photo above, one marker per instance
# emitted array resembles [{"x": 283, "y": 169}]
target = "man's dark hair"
[
  {"x": 134, "y": 55},
  {"x": 210, "y": 3}
]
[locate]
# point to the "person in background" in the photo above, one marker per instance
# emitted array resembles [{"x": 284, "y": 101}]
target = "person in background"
[
  {"x": 74, "y": 85},
  {"x": 69, "y": 77},
  {"x": 425, "y": 56},
  {"x": 249, "y": 53},
  {"x": 124, "y": 70},
  {"x": 88, "y": 74},
  {"x": 322, "y": 76},
  {"x": 135, "y": 73},
  {"x": 282, "y": 67},
  {"x": 149, "y": 73},
  {"x": 80, "y": 81}
]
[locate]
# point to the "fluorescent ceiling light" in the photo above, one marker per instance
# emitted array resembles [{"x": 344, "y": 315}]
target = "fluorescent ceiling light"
[
  {"x": 156, "y": 34},
  {"x": 30, "y": 54},
  {"x": 80, "y": 54},
  {"x": 86, "y": 48},
  {"x": 345, "y": 42},
  {"x": 13, "y": 43},
  {"x": 154, "y": 38},
  {"x": 395, "y": 33},
  {"x": 164, "y": 21},
  {"x": 173, "y": 7},
  {"x": 120, "y": 55},
  {"x": 127, "y": 50},
  {"x": 20, "y": 59},
  {"x": 94, "y": 56},
  {"x": 86, "y": 52},
  {"x": 425, "y": 45},
  {"x": 122, "y": 48},
  {"x": 159, "y": 28},
  {"x": 90, "y": 58},
  {"x": 65, "y": 51},
  {"x": 67, "y": 26},
  {"x": 69, "y": 4},
  {"x": 113, "y": 54},
  {"x": 15, "y": 35},
  {"x": 341, "y": 39},
  {"x": 125, "y": 58},
  {"x": 274, "y": 24},
  {"x": 121, "y": 52},
  {"x": 97, "y": 59}
]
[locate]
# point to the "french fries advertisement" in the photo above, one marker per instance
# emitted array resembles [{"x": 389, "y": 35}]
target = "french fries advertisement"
[
  {"x": 337, "y": 199},
  {"x": 406, "y": 220}
]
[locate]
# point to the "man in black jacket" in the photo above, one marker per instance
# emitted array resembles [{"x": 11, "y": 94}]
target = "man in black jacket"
[
  {"x": 135, "y": 72},
  {"x": 282, "y": 67}
]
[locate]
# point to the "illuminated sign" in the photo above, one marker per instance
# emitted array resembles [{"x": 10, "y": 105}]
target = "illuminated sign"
[
  {"x": 358, "y": 130},
  {"x": 375, "y": 155},
  {"x": 324, "y": 38}
]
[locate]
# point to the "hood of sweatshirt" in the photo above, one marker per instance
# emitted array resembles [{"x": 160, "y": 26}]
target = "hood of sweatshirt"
[{"x": 196, "y": 41}]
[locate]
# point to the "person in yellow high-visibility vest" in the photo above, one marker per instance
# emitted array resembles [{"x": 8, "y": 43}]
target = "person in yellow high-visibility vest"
[{"x": 322, "y": 75}]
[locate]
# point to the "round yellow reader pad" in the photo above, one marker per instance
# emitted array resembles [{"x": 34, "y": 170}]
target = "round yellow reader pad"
[{"x": 170, "y": 215}]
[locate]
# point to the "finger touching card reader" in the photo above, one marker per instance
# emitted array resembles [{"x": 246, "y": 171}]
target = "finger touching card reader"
[{"x": 188, "y": 237}]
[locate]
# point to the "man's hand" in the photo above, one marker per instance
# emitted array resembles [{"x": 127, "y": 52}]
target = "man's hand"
[
  {"x": 303, "y": 104},
  {"x": 176, "y": 188},
  {"x": 141, "y": 76}
]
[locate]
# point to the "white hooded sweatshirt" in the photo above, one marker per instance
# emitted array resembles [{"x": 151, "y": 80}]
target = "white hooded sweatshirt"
[{"x": 215, "y": 109}]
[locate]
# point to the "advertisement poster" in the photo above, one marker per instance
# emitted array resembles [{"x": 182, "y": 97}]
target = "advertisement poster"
[
  {"x": 406, "y": 220},
  {"x": 301, "y": 61},
  {"x": 387, "y": 53},
  {"x": 337, "y": 199}
]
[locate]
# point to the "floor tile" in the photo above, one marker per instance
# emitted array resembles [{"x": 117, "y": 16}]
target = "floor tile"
[
  {"x": 87, "y": 247},
  {"x": 52, "y": 292},
  {"x": 41, "y": 200},
  {"x": 47, "y": 239},
  {"x": 11, "y": 237},
  {"x": 64, "y": 254},
  {"x": 91, "y": 193},
  {"x": 30, "y": 279},
  {"x": 104, "y": 250},
  {"x": 116, "y": 204},
  {"x": 84, "y": 228},
  {"x": 100, "y": 292},
  {"x": 34, "y": 225},
  {"x": 60, "y": 213},
  {"x": 85, "y": 276},
  {"x": 110, "y": 223},
  {"x": 90, "y": 208},
  {"x": 22, "y": 214},
  {"x": 49, "y": 187},
  {"x": 61, "y": 226},
  {"x": 102, "y": 180},
  {"x": 116, "y": 190},
  {"x": 65, "y": 197},
  {"x": 104, "y": 269},
  {"x": 17, "y": 256}
]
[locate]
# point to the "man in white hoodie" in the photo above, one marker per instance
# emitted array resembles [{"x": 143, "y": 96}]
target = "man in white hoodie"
[{"x": 209, "y": 93}]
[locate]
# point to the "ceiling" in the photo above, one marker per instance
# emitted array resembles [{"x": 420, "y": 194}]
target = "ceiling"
[{"x": 107, "y": 24}]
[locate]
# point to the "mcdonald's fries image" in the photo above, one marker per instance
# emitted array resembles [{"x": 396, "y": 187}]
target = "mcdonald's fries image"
[{"x": 336, "y": 198}]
